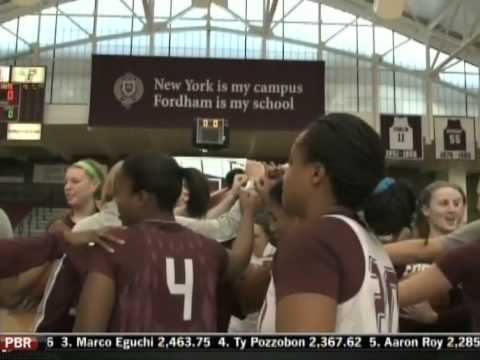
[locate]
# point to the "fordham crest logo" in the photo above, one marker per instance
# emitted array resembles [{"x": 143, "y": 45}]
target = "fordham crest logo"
[{"x": 128, "y": 90}]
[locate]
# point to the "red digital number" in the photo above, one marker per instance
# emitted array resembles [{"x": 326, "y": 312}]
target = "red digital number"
[{"x": 10, "y": 95}]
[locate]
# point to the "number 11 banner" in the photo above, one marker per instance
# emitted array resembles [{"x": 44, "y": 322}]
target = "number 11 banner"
[
  {"x": 454, "y": 138},
  {"x": 402, "y": 136}
]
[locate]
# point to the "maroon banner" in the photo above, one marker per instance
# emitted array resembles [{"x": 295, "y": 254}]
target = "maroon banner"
[{"x": 129, "y": 91}]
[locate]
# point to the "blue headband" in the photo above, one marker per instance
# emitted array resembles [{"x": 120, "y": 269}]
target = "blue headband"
[{"x": 383, "y": 185}]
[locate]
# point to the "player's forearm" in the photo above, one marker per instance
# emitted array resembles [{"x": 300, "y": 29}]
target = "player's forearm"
[
  {"x": 222, "y": 207},
  {"x": 423, "y": 286},
  {"x": 410, "y": 292},
  {"x": 242, "y": 247},
  {"x": 217, "y": 197},
  {"x": 223, "y": 228},
  {"x": 9, "y": 295},
  {"x": 413, "y": 251},
  {"x": 13, "y": 290},
  {"x": 21, "y": 254},
  {"x": 252, "y": 288}
]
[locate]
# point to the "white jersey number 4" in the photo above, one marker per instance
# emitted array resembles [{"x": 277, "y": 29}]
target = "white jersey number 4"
[{"x": 185, "y": 289}]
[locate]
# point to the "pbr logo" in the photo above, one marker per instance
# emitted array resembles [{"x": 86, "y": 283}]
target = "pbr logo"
[{"x": 128, "y": 90}]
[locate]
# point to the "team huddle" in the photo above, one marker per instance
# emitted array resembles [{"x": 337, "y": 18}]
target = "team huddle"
[{"x": 293, "y": 248}]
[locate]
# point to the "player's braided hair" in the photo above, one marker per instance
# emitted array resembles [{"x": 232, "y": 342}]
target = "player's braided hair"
[
  {"x": 351, "y": 153},
  {"x": 354, "y": 159}
]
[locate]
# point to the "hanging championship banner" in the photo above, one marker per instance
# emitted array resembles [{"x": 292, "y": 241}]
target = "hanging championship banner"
[
  {"x": 454, "y": 138},
  {"x": 402, "y": 136}
]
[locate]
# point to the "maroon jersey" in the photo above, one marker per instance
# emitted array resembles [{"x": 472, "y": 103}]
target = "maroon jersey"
[
  {"x": 167, "y": 279},
  {"x": 337, "y": 261},
  {"x": 336, "y": 257},
  {"x": 461, "y": 266},
  {"x": 56, "y": 312}
]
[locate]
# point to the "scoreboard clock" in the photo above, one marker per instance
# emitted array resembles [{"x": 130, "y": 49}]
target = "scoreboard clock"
[
  {"x": 22, "y": 97},
  {"x": 210, "y": 133},
  {"x": 22, "y": 94}
]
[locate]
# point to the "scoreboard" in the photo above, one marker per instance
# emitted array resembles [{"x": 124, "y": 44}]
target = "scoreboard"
[
  {"x": 210, "y": 133},
  {"x": 22, "y": 94},
  {"x": 22, "y": 101}
]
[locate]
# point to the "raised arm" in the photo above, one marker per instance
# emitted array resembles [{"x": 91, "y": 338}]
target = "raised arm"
[
  {"x": 250, "y": 289},
  {"x": 223, "y": 228},
  {"x": 241, "y": 252},
  {"x": 229, "y": 199}
]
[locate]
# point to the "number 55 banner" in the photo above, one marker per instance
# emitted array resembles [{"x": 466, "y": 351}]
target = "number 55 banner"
[
  {"x": 454, "y": 138},
  {"x": 402, "y": 136}
]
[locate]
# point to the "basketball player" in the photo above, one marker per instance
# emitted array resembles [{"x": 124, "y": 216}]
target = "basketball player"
[
  {"x": 223, "y": 228},
  {"x": 83, "y": 185},
  {"x": 22, "y": 294},
  {"x": 252, "y": 286},
  {"x": 281, "y": 225},
  {"x": 57, "y": 308},
  {"x": 247, "y": 294},
  {"x": 166, "y": 277},
  {"x": 440, "y": 211},
  {"x": 108, "y": 215},
  {"x": 331, "y": 274},
  {"x": 419, "y": 250}
]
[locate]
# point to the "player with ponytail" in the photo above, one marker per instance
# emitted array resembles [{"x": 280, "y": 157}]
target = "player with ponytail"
[
  {"x": 166, "y": 277},
  {"x": 332, "y": 274}
]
